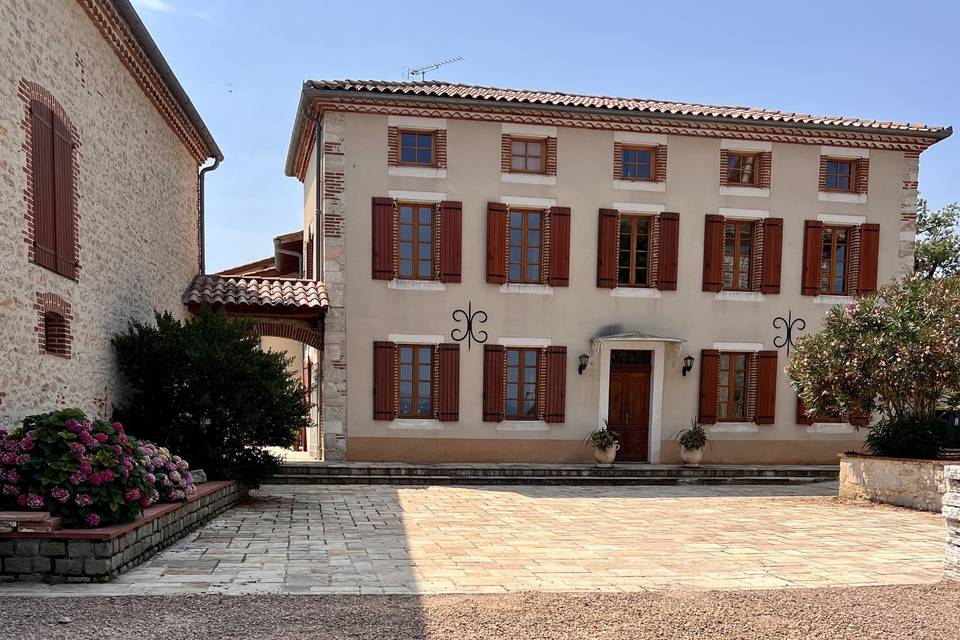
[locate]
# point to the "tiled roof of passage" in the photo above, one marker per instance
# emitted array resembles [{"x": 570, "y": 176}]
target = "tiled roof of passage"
[{"x": 276, "y": 293}]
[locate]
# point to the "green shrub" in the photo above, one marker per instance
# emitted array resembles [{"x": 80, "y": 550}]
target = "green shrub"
[
  {"x": 909, "y": 437},
  {"x": 205, "y": 389}
]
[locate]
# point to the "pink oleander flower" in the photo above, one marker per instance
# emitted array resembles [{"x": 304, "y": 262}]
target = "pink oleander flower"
[
  {"x": 83, "y": 500},
  {"x": 60, "y": 494},
  {"x": 132, "y": 495},
  {"x": 92, "y": 519}
]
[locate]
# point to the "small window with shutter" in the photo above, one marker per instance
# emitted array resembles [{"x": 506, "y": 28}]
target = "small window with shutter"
[
  {"x": 524, "y": 383},
  {"x": 416, "y": 240},
  {"x": 416, "y": 381},
  {"x": 742, "y": 254},
  {"x": 737, "y": 386},
  {"x": 840, "y": 260},
  {"x": 637, "y": 250},
  {"x": 528, "y": 246}
]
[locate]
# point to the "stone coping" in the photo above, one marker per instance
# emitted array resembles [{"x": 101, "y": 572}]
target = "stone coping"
[
  {"x": 109, "y": 533},
  {"x": 869, "y": 456}
]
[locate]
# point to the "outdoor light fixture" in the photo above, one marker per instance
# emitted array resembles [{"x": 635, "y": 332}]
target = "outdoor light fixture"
[
  {"x": 584, "y": 361},
  {"x": 687, "y": 365}
]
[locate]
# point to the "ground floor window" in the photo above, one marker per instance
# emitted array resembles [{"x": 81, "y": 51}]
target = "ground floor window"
[
  {"x": 522, "y": 383},
  {"x": 415, "y": 391},
  {"x": 732, "y": 388}
]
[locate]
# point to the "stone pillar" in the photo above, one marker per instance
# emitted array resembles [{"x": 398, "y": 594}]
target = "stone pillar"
[
  {"x": 951, "y": 513},
  {"x": 908, "y": 213}
]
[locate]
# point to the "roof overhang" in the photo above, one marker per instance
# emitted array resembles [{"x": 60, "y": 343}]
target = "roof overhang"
[{"x": 291, "y": 298}]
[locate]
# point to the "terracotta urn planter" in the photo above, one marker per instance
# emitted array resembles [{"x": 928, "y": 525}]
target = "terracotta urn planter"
[
  {"x": 605, "y": 457},
  {"x": 691, "y": 457}
]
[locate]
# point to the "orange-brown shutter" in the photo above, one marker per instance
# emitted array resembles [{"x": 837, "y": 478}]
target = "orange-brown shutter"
[
  {"x": 709, "y": 380},
  {"x": 812, "y": 252},
  {"x": 448, "y": 382},
  {"x": 493, "y": 381},
  {"x": 607, "y": 248},
  {"x": 772, "y": 251},
  {"x": 384, "y": 381},
  {"x": 63, "y": 199},
  {"x": 44, "y": 198},
  {"x": 869, "y": 257},
  {"x": 559, "y": 247},
  {"x": 669, "y": 251},
  {"x": 383, "y": 239},
  {"x": 496, "y": 243},
  {"x": 308, "y": 258},
  {"x": 451, "y": 232},
  {"x": 713, "y": 253},
  {"x": 556, "y": 384},
  {"x": 802, "y": 417},
  {"x": 766, "y": 387}
]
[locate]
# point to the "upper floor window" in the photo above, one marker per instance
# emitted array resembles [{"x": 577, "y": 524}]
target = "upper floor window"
[
  {"x": 525, "y": 241},
  {"x": 834, "y": 259},
  {"x": 639, "y": 163},
  {"x": 416, "y": 227},
  {"x": 417, "y": 147},
  {"x": 840, "y": 175},
  {"x": 415, "y": 388},
  {"x": 528, "y": 155},
  {"x": 732, "y": 387},
  {"x": 738, "y": 254},
  {"x": 634, "y": 247},
  {"x": 522, "y": 369},
  {"x": 742, "y": 168}
]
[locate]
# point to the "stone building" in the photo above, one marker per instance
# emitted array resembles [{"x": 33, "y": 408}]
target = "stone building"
[
  {"x": 99, "y": 189},
  {"x": 508, "y": 270}
]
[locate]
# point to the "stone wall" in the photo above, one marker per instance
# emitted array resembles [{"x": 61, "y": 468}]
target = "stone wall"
[
  {"x": 100, "y": 555},
  {"x": 951, "y": 513},
  {"x": 916, "y": 484},
  {"x": 137, "y": 206}
]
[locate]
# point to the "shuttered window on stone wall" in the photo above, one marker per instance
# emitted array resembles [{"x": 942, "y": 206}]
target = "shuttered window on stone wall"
[
  {"x": 416, "y": 381},
  {"x": 416, "y": 241},
  {"x": 840, "y": 259},
  {"x": 742, "y": 255},
  {"x": 737, "y": 386},
  {"x": 54, "y": 203},
  {"x": 635, "y": 250}
]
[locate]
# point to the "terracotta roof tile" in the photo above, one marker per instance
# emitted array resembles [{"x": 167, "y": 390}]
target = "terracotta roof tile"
[
  {"x": 256, "y": 292},
  {"x": 429, "y": 88}
]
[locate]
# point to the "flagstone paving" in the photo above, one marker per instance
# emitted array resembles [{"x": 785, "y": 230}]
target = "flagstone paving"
[{"x": 448, "y": 539}]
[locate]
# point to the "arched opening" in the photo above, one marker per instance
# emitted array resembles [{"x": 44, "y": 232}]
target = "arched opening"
[{"x": 56, "y": 334}]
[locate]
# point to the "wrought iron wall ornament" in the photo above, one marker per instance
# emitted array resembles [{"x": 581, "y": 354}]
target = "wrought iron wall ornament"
[
  {"x": 468, "y": 333},
  {"x": 789, "y": 325}
]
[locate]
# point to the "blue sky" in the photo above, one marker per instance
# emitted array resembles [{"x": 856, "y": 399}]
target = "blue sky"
[{"x": 243, "y": 63}]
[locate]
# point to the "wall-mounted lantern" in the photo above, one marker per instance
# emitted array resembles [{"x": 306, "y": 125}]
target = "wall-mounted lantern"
[
  {"x": 584, "y": 361},
  {"x": 687, "y": 365}
]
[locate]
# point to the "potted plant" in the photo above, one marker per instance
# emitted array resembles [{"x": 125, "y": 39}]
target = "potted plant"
[
  {"x": 692, "y": 442},
  {"x": 605, "y": 445}
]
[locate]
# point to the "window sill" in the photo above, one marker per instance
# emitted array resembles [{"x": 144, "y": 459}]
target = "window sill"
[
  {"x": 740, "y": 296},
  {"x": 636, "y": 292},
  {"x": 832, "y": 300},
  {"x": 415, "y": 424},
  {"x": 530, "y": 289},
  {"x": 528, "y": 178},
  {"x": 523, "y": 425},
  {"x": 416, "y": 285},
  {"x": 831, "y": 427},
  {"x": 734, "y": 427},
  {"x": 751, "y": 192},
  {"x": 639, "y": 185},
  {"x": 411, "y": 171},
  {"x": 841, "y": 196}
]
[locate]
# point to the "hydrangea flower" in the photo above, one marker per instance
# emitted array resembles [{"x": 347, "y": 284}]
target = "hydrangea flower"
[
  {"x": 92, "y": 519},
  {"x": 83, "y": 500}
]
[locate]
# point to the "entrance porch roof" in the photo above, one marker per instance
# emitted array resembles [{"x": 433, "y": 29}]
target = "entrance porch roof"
[{"x": 266, "y": 297}]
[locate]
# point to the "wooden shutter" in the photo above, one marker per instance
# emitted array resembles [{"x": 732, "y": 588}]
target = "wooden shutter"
[
  {"x": 772, "y": 252},
  {"x": 812, "y": 252},
  {"x": 709, "y": 380},
  {"x": 859, "y": 418},
  {"x": 766, "y": 168},
  {"x": 713, "y": 253},
  {"x": 556, "y": 384},
  {"x": 44, "y": 199},
  {"x": 669, "y": 250},
  {"x": 607, "y": 229},
  {"x": 869, "y": 257},
  {"x": 863, "y": 175},
  {"x": 451, "y": 242},
  {"x": 802, "y": 417},
  {"x": 559, "y": 247},
  {"x": 308, "y": 258},
  {"x": 448, "y": 382},
  {"x": 493, "y": 381},
  {"x": 766, "y": 387},
  {"x": 63, "y": 199},
  {"x": 496, "y": 243},
  {"x": 383, "y": 239},
  {"x": 384, "y": 381}
]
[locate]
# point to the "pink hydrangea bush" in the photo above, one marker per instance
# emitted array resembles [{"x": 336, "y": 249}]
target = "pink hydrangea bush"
[
  {"x": 86, "y": 472},
  {"x": 171, "y": 474}
]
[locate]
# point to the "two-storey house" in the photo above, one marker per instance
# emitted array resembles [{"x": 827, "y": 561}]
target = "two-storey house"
[{"x": 508, "y": 270}]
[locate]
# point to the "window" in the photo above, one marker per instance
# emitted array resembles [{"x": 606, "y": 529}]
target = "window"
[
  {"x": 840, "y": 175},
  {"x": 732, "y": 389},
  {"x": 737, "y": 254},
  {"x": 417, "y": 147},
  {"x": 833, "y": 264},
  {"x": 416, "y": 241},
  {"x": 416, "y": 381},
  {"x": 524, "y": 243},
  {"x": 638, "y": 163},
  {"x": 528, "y": 156},
  {"x": 743, "y": 168},
  {"x": 522, "y": 394},
  {"x": 634, "y": 260}
]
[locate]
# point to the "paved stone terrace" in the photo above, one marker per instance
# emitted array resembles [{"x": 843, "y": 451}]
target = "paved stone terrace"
[{"x": 384, "y": 539}]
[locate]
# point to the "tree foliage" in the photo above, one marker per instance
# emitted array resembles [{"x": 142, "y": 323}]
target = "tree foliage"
[
  {"x": 205, "y": 389},
  {"x": 938, "y": 241}
]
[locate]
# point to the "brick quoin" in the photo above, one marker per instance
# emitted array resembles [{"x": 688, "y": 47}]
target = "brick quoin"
[{"x": 54, "y": 317}]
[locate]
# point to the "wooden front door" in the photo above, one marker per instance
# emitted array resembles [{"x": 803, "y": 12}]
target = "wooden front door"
[{"x": 629, "y": 412}]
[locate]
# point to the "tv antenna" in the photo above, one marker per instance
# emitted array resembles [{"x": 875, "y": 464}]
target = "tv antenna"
[{"x": 422, "y": 71}]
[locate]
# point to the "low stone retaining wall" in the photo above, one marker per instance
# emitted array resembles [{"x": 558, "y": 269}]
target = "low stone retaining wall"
[
  {"x": 100, "y": 555},
  {"x": 951, "y": 513},
  {"x": 906, "y": 482}
]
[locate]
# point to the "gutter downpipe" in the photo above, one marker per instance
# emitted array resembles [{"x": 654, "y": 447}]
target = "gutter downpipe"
[
  {"x": 200, "y": 231},
  {"x": 318, "y": 214}
]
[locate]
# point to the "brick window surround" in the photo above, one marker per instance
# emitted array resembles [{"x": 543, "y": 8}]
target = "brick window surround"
[
  {"x": 859, "y": 174},
  {"x": 29, "y": 93},
  {"x": 761, "y": 169},
  {"x": 54, "y": 317},
  {"x": 658, "y": 169},
  {"x": 550, "y": 152},
  {"x": 439, "y": 147}
]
